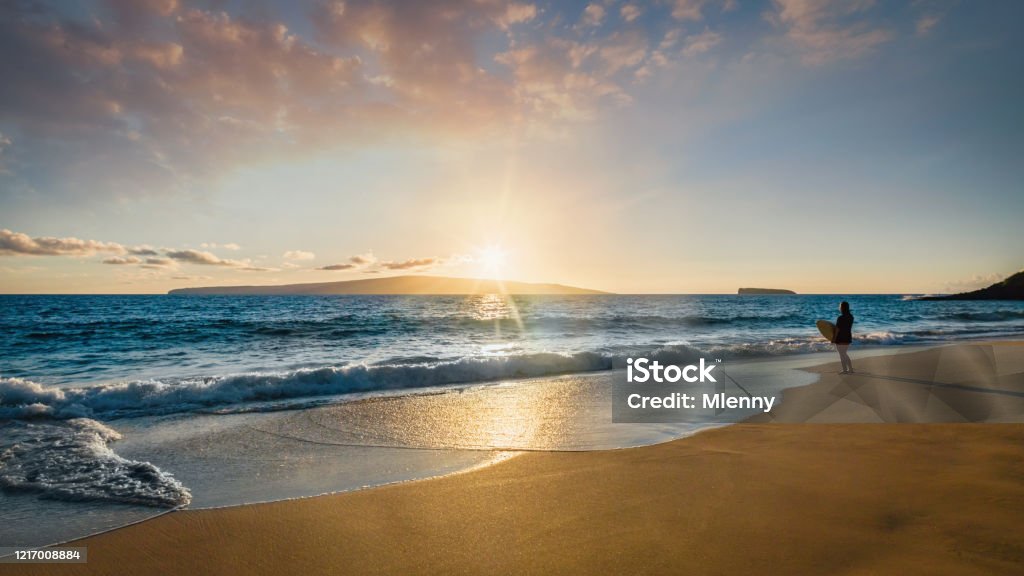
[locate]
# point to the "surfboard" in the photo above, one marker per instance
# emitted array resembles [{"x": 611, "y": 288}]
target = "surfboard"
[{"x": 827, "y": 329}]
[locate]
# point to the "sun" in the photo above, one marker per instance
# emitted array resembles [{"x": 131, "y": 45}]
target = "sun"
[{"x": 492, "y": 260}]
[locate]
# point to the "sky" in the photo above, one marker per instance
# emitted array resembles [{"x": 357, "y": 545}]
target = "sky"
[{"x": 676, "y": 146}]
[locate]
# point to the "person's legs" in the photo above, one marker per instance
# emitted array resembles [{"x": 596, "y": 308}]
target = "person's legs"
[{"x": 844, "y": 357}]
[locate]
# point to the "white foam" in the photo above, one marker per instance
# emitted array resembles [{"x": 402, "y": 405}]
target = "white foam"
[
  {"x": 70, "y": 460},
  {"x": 21, "y": 398}
]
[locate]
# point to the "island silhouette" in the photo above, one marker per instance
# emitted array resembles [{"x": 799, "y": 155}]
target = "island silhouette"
[
  {"x": 764, "y": 291},
  {"x": 1011, "y": 288},
  {"x": 398, "y": 285}
]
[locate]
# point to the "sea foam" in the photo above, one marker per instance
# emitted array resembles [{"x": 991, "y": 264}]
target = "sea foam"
[
  {"x": 70, "y": 460},
  {"x": 22, "y": 398}
]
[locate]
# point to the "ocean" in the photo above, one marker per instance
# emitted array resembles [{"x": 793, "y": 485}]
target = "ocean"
[{"x": 116, "y": 408}]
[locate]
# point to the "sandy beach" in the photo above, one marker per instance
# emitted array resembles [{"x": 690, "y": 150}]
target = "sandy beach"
[{"x": 781, "y": 497}]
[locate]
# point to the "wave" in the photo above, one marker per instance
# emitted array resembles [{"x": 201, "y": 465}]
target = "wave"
[
  {"x": 22, "y": 398},
  {"x": 989, "y": 316},
  {"x": 70, "y": 460},
  {"x": 913, "y": 297}
]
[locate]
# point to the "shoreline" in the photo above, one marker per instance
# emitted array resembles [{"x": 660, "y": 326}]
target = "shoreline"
[
  {"x": 533, "y": 466},
  {"x": 505, "y": 454},
  {"x": 502, "y": 452}
]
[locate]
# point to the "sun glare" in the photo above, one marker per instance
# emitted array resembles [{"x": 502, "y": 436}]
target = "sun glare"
[{"x": 492, "y": 260}]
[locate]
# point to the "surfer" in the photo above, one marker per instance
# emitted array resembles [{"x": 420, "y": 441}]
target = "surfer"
[{"x": 844, "y": 336}]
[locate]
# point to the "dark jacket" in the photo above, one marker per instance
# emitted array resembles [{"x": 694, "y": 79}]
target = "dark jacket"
[{"x": 844, "y": 329}]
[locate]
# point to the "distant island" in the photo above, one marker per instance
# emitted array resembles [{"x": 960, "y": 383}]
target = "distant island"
[
  {"x": 396, "y": 285},
  {"x": 1010, "y": 289},
  {"x": 764, "y": 291}
]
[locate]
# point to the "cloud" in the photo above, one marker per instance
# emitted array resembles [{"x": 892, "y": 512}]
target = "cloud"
[
  {"x": 115, "y": 110},
  {"x": 363, "y": 259},
  {"x": 561, "y": 79},
  {"x": 694, "y": 9},
  {"x": 145, "y": 256},
  {"x": 298, "y": 255},
  {"x": 17, "y": 243},
  {"x": 122, "y": 260},
  {"x": 357, "y": 261},
  {"x": 516, "y": 13},
  {"x": 410, "y": 264},
  {"x": 593, "y": 15},
  {"x": 630, "y": 12},
  {"x": 701, "y": 43},
  {"x": 827, "y": 30},
  {"x": 143, "y": 251},
  {"x": 433, "y": 59},
  {"x": 137, "y": 15},
  {"x": 623, "y": 51},
  {"x": 926, "y": 23},
  {"x": 930, "y": 13},
  {"x": 662, "y": 55},
  {"x": 154, "y": 97},
  {"x": 369, "y": 264},
  {"x": 199, "y": 257},
  {"x": 160, "y": 262},
  {"x": 5, "y": 144},
  {"x": 228, "y": 246}
]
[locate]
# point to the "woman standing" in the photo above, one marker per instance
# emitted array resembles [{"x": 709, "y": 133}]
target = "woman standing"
[{"x": 844, "y": 336}]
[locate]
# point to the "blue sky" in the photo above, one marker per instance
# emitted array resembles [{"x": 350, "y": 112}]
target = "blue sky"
[{"x": 677, "y": 146}]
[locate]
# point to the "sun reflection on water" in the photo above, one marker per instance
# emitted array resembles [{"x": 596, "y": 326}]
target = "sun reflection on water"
[
  {"x": 496, "y": 308},
  {"x": 492, "y": 306},
  {"x": 545, "y": 414}
]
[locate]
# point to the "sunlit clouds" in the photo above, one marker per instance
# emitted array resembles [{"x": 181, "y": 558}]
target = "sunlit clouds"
[
  {"x": 138, "y": 98},
  {"x": 17, "y": 243},
  {"x": 298, "y": 255},
  {"x": 144, "y": 256},
  {"x": 678, "y": 145},
  {"x": 369, "y": 264},
  {"x": 825, "y": 30}
]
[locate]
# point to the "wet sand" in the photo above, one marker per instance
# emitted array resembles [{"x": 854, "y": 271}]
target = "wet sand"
[{"x": 780, "y": 497}]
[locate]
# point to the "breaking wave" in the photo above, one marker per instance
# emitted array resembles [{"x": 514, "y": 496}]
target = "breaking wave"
[
  {"x": 22, "y": 398},
  {"x": 70, "y": 460}
]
